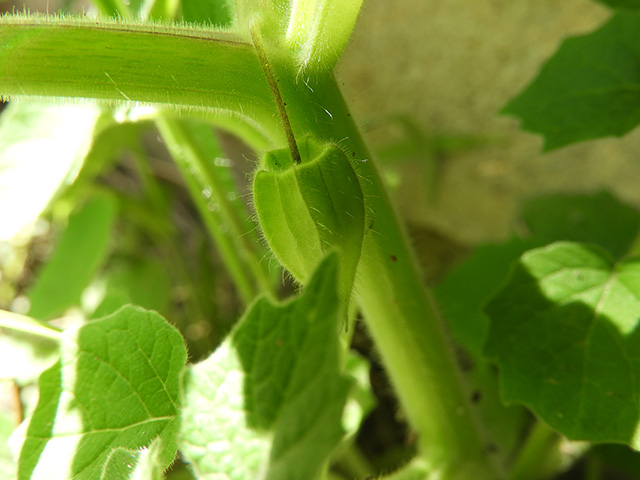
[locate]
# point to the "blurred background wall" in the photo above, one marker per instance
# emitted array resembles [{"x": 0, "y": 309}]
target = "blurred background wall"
[{"x": 450, "y": 66}]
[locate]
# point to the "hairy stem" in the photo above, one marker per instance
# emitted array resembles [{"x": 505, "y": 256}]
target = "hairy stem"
[
  {"x": 399, "y": 310},
  {"x": 275, "y": 91}
]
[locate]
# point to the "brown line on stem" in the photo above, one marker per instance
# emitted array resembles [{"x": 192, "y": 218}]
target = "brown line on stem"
[{"x": 273, "y": 84}]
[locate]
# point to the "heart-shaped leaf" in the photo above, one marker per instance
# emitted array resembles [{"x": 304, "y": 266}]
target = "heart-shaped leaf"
[{"x": 564, "y": 332}]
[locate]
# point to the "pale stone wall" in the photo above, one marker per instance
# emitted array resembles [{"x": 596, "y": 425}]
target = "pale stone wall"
[{"x": 452, "y": 64}]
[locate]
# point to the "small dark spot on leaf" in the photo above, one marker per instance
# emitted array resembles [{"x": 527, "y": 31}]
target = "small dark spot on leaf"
[
  {"x": 492, "y": 448},
  {"x": 393, "y": 258}
]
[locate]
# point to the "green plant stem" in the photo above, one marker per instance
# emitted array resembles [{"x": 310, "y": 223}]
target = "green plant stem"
[
  {"x": 22, "y": 323},
  {"x": 399, "y": 311},
  {"x": 593, "y": 469},
  {"x": 539, "y": 457},
  {"x": 237, "y": 249}
]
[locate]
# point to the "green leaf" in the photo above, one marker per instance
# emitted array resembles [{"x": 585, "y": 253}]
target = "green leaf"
[
  {"x": 270, "y": 399},
  {"x": 105, "y": 404},
  {"x": 142, "y": 282},
  {"x": 619, "y": 457},
  {"x": 628, "y": 4},
  {"x": 589, "y": 89},
  {"x": 581, "y": 218},
  {"x": 199, "y": 69},
  {"x": 461, "y": 301},
  {"x": 564, "y": 334},
  {"x": 81, "y": 249},
  {"x": 577, "y": 218},
  {"x": 307, "y": 209},
  {"x": 37, "y": 137}
]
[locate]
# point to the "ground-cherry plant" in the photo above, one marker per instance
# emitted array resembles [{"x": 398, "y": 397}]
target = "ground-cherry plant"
[{"x": 521, "y": 363}]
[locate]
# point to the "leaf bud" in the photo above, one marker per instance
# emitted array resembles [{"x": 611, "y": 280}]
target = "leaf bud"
[{"x": 308, "y": 209}]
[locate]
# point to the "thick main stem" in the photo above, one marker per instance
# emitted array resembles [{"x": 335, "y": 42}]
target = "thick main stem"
[{"x": 399, "y": 312}]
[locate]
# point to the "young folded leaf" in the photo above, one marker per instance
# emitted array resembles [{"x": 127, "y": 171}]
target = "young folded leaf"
[{"x": 307, "y": 209}]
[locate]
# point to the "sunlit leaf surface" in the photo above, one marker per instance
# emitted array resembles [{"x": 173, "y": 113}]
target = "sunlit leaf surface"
[
  {"x": 268, "y": 403},
  {"x": 564, "y": 332},
  {"x": 110, "y": 401}
]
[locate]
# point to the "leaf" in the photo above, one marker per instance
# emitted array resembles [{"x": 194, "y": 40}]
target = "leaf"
[
  {"x": 81, "y": 249},
  {"x": 581, "y": 218},
  {"x": 620, "y": 458},
  {"x": 564, "y": 334},
  {"x": 461, "y": 301},
  {"x": 143, "y": 282},
  {"x": 589, "y": 89},
  {"x": 578, "y": 218},
  {"x": 198, "y": 69},
  {"x": 628, "y": 4},
  {"x": 361, "y": 400},
  {"x": 102, "y": 407},
  {"x": 269, "y": 400},
  {"x": 37, "y": 137}
]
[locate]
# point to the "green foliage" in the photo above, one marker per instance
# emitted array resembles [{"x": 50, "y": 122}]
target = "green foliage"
[
  {"x": 81, "y": 249},
  {"x": 549, "y": 219},
  {"x": 110, "y": 401},
  {"x": 272, "y": 394},
  {"x": 563, "y": 332},
  {"x": 208, "y": 12},
  {"x": 277, "y": 399},
  {"x": 586, "y": 89},
  {"x": 628, "y": 4}
]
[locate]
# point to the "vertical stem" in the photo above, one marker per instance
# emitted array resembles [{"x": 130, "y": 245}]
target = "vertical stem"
[
  {"x": 539, "y": 457},
  {"x": 399, "y": 311}
]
